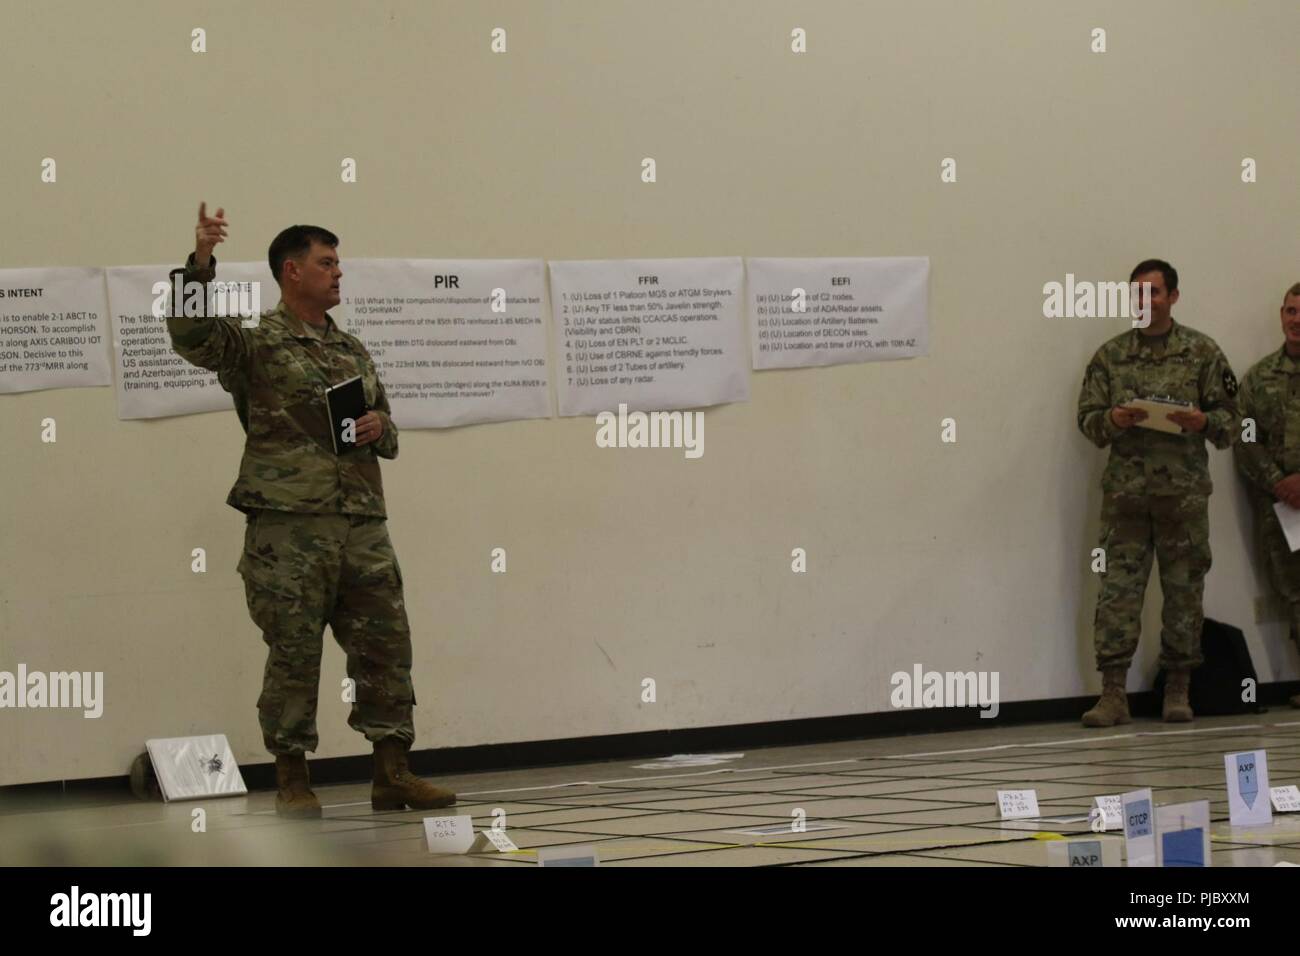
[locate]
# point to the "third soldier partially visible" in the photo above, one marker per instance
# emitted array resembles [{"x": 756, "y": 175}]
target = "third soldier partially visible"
[
  {"x": 1156, "y": 488},
  {"x": 1268, "y": 454}
]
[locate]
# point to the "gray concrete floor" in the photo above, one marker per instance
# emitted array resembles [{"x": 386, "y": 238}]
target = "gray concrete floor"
[{"x": 923, "y": 800}]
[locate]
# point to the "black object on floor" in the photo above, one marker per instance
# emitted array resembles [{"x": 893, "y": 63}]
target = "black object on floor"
[{"x": 1219, "y": 684}]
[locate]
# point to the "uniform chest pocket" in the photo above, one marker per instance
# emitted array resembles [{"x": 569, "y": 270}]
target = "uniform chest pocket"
[
  {"x": 1127, "y": 383},
  {"x": 1272, "y": 416},
  {"x": 289, "y": 372},
  {"x": 1169, "y": 378},
  {"x": 1183, "y": 382}
]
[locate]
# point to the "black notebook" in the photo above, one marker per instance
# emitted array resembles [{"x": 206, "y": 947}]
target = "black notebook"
[{"x": 345, "y": 400}]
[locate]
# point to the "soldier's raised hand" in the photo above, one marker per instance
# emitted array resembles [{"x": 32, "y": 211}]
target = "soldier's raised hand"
[{"x": 209, "y": 231}]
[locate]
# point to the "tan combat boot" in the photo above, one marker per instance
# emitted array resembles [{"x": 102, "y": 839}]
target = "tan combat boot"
[
  {"x": 295, "y": 798},
  {"x": 1112, "y": 707},
  {"x": 396, "y": 788},
  {"x": 1177, "y": 683}
]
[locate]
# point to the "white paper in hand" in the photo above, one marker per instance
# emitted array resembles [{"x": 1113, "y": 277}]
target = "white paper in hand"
[
  {"x": 1085, "y": 851},
  {"x": 1158, "y": 410},
  {"x": 1289, "y": 519}
]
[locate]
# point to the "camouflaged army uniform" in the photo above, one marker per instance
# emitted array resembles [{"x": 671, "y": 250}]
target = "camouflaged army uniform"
[
  {"x": 1270, "y": 396},
  {"x": 1156, "y": 486},
  {"x": 316, "y": 545}
]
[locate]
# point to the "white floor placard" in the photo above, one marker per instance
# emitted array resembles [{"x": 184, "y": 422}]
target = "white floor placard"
[
  {"x": 1183, "y": 834},
  {"x": 1248, "y": 802},
  {"x": 1140, "y": 828},
  {"x": 1109, "y": 812},
  {"x": 1285, "y": 799},
  {"x": 449, "y": 834},
  {"x": 493, "y": 839},
  {"x": 1084, "y": 852},
  {"x": 1018, "y": 804}
]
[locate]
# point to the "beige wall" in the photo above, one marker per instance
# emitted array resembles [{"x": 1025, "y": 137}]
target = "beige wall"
[{"x": 637, "y": 563}]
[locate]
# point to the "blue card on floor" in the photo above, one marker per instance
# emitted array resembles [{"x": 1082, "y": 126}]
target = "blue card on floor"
[{"x": 1183, "y": 848}]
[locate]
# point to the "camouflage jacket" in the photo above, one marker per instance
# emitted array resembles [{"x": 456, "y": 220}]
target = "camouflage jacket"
[
  {"x": 1270, "y": 396},
  {"x": 277, "y": 375},
  {"x": 1144, "y": 461}
]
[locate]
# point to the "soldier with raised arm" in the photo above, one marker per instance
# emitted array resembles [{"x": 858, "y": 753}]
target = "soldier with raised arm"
[{"x": 316, "y": 545}]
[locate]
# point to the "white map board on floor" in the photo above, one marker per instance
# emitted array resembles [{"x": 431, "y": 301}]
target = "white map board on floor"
[{"x": 192, "y": 767}]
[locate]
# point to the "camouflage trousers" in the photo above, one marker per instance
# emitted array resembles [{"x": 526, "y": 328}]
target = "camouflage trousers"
[
  {"x": 1175, "y": 530},
  {"x": 1283, "y": 563},
  {"x": 301, "y": 572}
]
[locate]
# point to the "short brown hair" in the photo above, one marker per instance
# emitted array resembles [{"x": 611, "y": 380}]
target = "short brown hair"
[
  {"x": 294, "y": 242},
  {"x": 1294, "y": 290},
  {"x": 1169, "y": 273}
]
